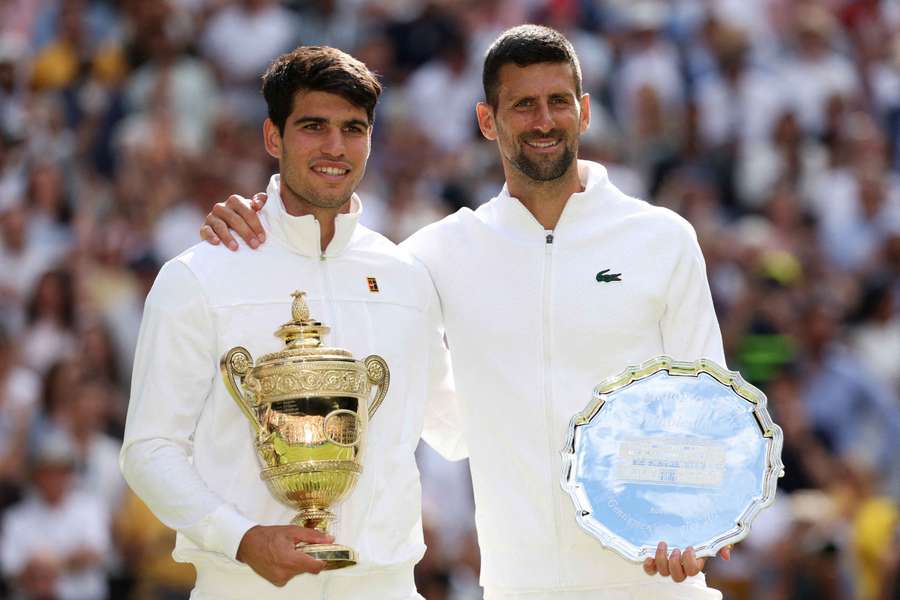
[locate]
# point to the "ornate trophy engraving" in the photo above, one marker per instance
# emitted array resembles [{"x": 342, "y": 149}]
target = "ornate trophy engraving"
[
  {"x": 679, "y": 452},
  {"x": 309, "y": 407}
]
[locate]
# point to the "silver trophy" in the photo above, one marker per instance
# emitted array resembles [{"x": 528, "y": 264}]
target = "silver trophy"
[{"x": 680, "y": 452}]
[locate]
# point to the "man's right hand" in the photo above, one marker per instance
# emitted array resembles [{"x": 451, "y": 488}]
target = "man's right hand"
[
  {"x": 272, "y": 551},
  {"x": 237, "y": 214}
]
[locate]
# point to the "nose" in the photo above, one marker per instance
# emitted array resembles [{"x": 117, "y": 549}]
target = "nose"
[
  {"x": 333, "y": 145},
  {"x": 543, "y": 119}
]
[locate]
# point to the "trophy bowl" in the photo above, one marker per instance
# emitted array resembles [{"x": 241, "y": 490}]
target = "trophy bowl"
[{"x": 309, "y": 407}]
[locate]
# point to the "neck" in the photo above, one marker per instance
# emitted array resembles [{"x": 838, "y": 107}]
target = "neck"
[
  {"x": 543, "y": 199},
  {"x": 298, "y": 206}
]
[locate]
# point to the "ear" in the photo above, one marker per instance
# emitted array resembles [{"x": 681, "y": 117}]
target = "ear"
[
  {"x": 585, "y": 122},
  {"x": 272, "y": 138},
  {"x": 485, "y": 114}
]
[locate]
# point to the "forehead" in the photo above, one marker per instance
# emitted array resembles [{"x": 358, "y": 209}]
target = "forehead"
[
  {"x": 540, "y": 79},
  {"x": 315, "y": 103}
]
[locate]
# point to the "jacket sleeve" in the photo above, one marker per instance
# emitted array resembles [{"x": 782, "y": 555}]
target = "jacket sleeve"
[
  {"x": 689, "y": 326},
  {"x": 174, "y": 367},
  {"x": 443, "y": 429}
]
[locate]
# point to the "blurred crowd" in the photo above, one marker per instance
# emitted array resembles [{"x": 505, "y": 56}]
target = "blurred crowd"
[{"x": 772, "y": 125}]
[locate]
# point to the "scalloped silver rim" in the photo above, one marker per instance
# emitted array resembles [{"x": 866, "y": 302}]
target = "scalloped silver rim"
[{"x": 732, "y": 379}]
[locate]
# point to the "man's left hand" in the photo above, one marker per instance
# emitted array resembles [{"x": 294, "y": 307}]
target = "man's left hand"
[{"x": 678, "y": 565}]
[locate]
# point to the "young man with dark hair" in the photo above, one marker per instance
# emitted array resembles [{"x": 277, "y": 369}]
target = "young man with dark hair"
[
  {"x": 188, "y": 450},
  {"x": 575, "y": 281}
]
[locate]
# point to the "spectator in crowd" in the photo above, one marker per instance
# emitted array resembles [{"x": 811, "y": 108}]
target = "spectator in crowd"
[
  {"x": 773, "y": 126},
  {"x": 56, "y": 536}
]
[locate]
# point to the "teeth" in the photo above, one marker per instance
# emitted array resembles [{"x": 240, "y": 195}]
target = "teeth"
[
  {"x": 331, "y": 170},
  {"x": 542, "y": 144}
]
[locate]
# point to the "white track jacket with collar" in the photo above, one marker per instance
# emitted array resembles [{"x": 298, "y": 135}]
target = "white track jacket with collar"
[
  {"x": 188, "y": 450},
  {"x": 534, "y": 320}
]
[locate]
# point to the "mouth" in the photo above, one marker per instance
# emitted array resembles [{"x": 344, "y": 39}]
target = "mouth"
[
  {"x": 543, "y": 145},
  {"x": 334, "y": 173}
]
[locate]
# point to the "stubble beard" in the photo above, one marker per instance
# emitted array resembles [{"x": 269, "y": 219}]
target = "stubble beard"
[
  {"x": 544, "y": 170},
  {"x": 311, "y": 197}
]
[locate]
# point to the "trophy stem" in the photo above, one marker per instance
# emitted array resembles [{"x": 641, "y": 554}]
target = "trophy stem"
[
  {"x": 315, "y": 518},
  {"x": 335, "y": 556}
]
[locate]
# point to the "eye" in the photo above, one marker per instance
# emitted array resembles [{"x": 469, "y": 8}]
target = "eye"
[
  {"x": 524, "y": 103},
  {"x": 559, "y": 100},
  {"x": 313, "y": 126},
  {"x": 354, "y": 129}
]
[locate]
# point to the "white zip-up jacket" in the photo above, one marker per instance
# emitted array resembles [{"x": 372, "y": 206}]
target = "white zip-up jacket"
[
  {"x": 188, "y": 450},
  {"x": 534, "y": 320}
]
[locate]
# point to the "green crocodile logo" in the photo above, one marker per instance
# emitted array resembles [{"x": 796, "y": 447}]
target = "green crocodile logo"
[{"x": 603, "y": 277}]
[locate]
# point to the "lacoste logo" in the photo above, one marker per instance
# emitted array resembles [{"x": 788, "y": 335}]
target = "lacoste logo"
[
  {"x": 373, "y": 284},
  {"x": 602, "y": 276}
]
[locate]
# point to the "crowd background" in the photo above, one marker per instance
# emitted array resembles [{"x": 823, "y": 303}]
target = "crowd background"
[{"x": 772, "y": 125}]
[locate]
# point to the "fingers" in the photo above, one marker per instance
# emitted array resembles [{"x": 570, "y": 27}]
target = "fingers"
[
  {"x": 259, "y": 200},
  {"x": 679, "y": 565},
  {"x": 207, "y": 234},
  {"x": 304, "y": 535},
  {"x": 692, "y": 565},
  {"x": 662, "y": 560},
  {"x": 220, "y": 230},
  {"x": 304, "y": 563},
  {"x": 242, "y": 207},
  {"x": 725, "y": 552},
  {"x": 223, "y": 213},
  {"x": 676, "y": 569}
]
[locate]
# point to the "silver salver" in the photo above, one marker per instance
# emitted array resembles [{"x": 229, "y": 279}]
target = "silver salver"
[{"x": 679, "y": 452}]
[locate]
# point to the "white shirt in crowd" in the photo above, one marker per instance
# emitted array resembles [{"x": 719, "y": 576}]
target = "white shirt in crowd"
[{"x": 36, "y": 529}]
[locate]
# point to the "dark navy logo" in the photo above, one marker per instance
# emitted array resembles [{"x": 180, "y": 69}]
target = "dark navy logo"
[{"x": 605, "y": 276}]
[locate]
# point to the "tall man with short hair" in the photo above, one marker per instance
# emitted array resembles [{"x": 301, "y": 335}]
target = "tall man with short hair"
[
  {"x": 188, "y": 450},
  {"x": 558, "y": 282}
]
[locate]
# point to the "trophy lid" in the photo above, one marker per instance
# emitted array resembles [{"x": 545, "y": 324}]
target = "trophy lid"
[{"x": 303, "y": 336}]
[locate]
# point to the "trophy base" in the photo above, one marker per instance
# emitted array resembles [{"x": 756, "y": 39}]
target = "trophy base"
[{"x": 335, "y": 556}]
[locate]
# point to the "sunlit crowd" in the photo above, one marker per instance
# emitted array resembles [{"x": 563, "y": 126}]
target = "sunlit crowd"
[{"x": 773, "y": 126}]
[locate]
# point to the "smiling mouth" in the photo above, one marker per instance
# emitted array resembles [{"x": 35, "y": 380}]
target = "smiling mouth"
[
  {"x": 543, "y": 144},
  {"x": 331, "y": 171}
]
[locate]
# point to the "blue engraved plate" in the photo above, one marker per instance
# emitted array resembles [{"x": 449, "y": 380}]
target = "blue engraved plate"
[{"x": 680, "y": 452}]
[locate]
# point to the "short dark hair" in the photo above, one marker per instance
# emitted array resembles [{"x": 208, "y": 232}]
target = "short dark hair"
[
  {"x": 320, "y": 69},
  {"x": 523, "y": 46}
]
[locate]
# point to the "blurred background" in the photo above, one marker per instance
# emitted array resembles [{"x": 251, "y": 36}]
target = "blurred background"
[{"x": 772, "y": 125}]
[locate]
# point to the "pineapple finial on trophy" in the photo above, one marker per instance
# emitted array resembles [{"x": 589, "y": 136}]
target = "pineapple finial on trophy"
[{"x": 299, "y": 308}]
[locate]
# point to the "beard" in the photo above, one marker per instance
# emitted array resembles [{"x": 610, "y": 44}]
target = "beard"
[
  {"x": 301, "y": 187},
  {"x": 544, "y": 170}
]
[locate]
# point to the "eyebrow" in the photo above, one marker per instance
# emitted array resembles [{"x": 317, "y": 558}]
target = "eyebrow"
[{"x": 303, "y": 119}]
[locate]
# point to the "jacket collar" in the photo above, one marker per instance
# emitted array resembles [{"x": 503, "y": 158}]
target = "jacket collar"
[
  {"x": 511, "y": 215},
  {"x": 302, "y": 234}
]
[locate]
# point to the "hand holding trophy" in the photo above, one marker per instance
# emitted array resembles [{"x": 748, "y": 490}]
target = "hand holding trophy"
[{"x": 309, "y": 407}]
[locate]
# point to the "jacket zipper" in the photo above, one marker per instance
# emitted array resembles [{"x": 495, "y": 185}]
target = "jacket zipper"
[
  {"x": 548, "y": 385},
  {"x": 331, "y": 313},
  {"x": 327, "y": 289}
]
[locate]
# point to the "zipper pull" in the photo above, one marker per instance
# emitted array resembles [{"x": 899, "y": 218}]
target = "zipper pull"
[{"x": 549, "y": 237}]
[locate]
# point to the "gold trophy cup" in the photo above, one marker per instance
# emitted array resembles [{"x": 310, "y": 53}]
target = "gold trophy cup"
[{"x": 309, "y": 407}]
